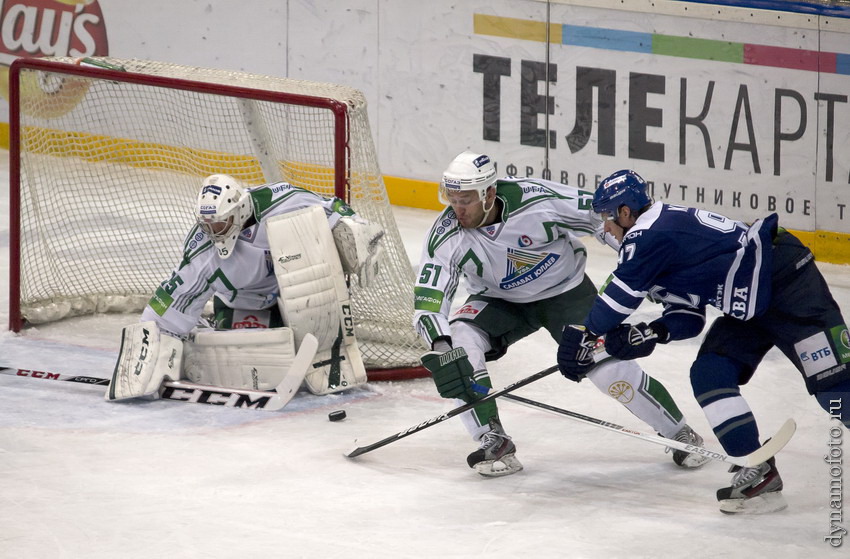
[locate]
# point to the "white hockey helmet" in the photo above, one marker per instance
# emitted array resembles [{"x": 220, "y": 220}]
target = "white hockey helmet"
[
  {"x": 223, "y": 208},
  {"x": 468, "y": 171}
]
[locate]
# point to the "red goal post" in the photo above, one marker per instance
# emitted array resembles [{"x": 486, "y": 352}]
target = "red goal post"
[{"x": 105, "y": 161}]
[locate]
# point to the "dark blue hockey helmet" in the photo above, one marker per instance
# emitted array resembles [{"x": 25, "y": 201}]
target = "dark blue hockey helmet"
[{"x": 623, "y": 188}]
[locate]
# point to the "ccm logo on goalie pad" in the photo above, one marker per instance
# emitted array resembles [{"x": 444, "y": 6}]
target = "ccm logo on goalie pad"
[
  {"x": 347, "y": 321},
  {"x": 143, "y": 353},
  {"x": 214, "y": 397}
]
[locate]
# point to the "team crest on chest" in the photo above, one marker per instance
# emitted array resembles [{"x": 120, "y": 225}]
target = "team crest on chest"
[
  {"x": 524, "y": 266},
  {"x": 248, "y": 234}
]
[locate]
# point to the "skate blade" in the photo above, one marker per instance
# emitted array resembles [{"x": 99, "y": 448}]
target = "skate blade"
[
  {"x": 504, "y": 466},
  {"x": 760, "y": 504},
  {"x": 692, "y": 461}
]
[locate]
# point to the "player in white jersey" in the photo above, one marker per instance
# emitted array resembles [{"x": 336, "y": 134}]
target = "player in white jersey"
[
  {"x": 232, "y": 265},
  {"x": 270, "y": 261},
  {"x": 515, "y": 241}
]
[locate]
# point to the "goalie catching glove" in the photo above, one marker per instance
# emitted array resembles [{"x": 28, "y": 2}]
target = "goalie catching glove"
[
  {"x": 632, "y": 341},
  {"x": 360, "y": 248},
  {"x": 452, "y": 373}
]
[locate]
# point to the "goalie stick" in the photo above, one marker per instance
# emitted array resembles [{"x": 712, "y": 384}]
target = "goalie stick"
[
  {"x": 46, "y": 375},
  {"x": 173, "y": 390},
  {"x": 182, "y": 391},
  {"x": 759, "y": 456}
]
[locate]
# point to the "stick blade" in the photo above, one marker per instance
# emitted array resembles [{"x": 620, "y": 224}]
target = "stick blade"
[
  {"x": 776, "y": 443},
  {"x": 355, "y": 452},
  {"x": 295, "y": 376}
]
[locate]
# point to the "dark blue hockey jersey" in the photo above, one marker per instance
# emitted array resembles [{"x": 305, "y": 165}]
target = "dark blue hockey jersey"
[{"x": 688, "y": 258}]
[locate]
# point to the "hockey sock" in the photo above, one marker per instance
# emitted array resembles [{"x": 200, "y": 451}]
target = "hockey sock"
[
  {"x": 714, "y": 379},
  {"x": 487, "y": 410},
  {"x": 641, "y": 394},
  {"x": 659, "y": 392}
]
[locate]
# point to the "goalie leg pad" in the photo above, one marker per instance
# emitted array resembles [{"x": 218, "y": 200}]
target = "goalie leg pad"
[
  {"x": 336, "y": 369},
  {"x": 310, "y": 303},
  {"x": 145, "y": 360},
  {"x": 314, "y": 297},
  {"x": 256, "y": 359}
]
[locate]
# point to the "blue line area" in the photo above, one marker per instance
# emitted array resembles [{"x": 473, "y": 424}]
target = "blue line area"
[
  {"x": 842, "y": 64},
  {"x": 782, "y": 6},
  {"x": 609, "y": 39}
]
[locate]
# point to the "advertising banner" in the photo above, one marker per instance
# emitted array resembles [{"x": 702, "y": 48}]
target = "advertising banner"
[{"x": 736, "y": 110}]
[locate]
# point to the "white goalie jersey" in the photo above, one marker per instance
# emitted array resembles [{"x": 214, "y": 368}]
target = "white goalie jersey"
[
  {"x": 531, "y": 253},
  {"x": 245, "y": 280},
  {"x": 285, "y": 258}
]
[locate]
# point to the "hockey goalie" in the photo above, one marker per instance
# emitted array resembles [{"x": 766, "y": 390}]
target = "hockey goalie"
[{"x": 274, "y": 259}]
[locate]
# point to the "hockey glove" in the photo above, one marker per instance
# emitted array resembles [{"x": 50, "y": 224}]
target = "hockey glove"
[
  {"x": 631, "y": 341},
  {"x": 452, "y": 373},
  {"x": 367, "y": 273},
  {"x": 575, "y": 354}
]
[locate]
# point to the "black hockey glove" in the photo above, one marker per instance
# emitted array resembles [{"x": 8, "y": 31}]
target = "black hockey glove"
[
  {"x": 631, "y": 341},
  {"x": 575, "y": 354},
  {"x": 452, "y": 373}
]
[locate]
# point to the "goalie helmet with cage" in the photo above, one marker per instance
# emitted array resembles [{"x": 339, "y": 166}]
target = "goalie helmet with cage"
[
  {"x": 623, "y": 188},
  {"x": 223, "y": 208},
  {"x": 468, "y": 171}
]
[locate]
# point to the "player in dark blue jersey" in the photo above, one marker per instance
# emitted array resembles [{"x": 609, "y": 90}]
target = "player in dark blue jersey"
[{"x": 763, "y": 280}]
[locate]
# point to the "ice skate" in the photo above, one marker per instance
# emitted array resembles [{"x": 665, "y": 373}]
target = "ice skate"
[
  {"x": 496, "y": 455},
  {"x": 688, "y": 459},
  {"x": 755, "y": 490}
]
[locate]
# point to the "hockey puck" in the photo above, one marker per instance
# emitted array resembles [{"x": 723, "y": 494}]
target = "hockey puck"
[{"x": 338, "y": 415}]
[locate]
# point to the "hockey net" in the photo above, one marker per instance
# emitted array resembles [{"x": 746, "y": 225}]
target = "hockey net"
[{"x": 107, "y": 156}]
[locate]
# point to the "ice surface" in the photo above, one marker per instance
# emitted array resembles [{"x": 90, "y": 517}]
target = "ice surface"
[{"x": 80, "y": 477}]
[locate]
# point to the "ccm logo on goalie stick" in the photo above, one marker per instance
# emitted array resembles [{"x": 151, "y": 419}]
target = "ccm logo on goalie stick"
[
  {"x": 214, "y": 397},
  {"x": 37, "y": 374}
]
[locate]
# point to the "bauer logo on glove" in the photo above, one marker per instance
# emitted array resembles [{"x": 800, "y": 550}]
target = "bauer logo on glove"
[{"x": 453, "y": 374}]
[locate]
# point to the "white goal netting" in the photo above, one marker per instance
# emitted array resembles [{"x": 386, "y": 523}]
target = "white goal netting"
[{"x": 110, "y": 162}]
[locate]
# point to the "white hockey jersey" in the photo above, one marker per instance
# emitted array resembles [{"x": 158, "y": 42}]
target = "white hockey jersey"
[
  {"x": 531, "y": 254},
  {"x": 245, "y": 280}
]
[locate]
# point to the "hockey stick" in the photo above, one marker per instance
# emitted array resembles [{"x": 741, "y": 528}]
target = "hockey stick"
[
  {"x": 448, "y": 415},
  {"x": 245, "y": 398},
  {"x": 29, "y": 373},
  {"x": 598, "y": 353},
  {"x": 173, "y": 390},
  {"x": 764, "y": 453},
  {"x": 182, "y": 391}
]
